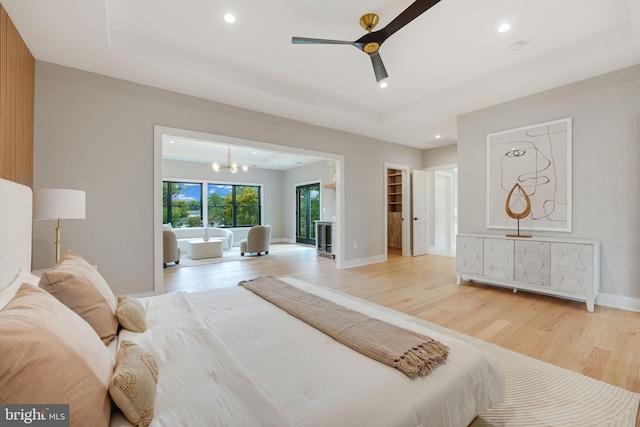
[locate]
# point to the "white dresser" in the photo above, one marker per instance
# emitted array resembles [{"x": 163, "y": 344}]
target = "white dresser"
[{"x": 567, "y": 268}]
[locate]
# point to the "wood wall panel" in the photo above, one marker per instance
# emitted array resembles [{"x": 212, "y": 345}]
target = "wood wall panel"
[{"x": 17, "y": 83}]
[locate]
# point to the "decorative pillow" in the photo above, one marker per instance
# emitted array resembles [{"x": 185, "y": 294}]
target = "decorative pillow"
[
  {"x": 49, "y": 355},
  {"x": 130, "y": 314},
  {"x": 79, "y": 286},
  {"x": 9, "y": 292},
  {"x": 133, "y": 386}
]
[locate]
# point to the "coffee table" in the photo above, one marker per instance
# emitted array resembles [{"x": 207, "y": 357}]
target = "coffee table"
[{"x": 199, "y": 249}]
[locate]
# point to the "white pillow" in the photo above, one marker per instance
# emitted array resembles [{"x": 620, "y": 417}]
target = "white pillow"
[{"x": 9, "y": 292}]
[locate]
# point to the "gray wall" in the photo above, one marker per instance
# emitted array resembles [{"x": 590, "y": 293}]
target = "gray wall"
[
  {"x": 96, "y": 134},
  {"x": 447, "y": 155},
  {"x": 606, "y": 166},
  {"x": 272, "y": 196}
]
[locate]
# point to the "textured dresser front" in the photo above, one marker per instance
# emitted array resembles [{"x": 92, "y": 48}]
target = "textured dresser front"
[{"x": 567, "y": 268}]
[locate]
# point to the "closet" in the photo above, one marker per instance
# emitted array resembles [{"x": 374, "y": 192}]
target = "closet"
[{"x": 394, "y": 208}]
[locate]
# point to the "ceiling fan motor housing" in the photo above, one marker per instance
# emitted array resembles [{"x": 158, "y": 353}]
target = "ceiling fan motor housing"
[{"x": 369, "y": 21}]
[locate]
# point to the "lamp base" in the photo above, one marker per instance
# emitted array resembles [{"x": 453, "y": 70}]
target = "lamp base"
[{"x": 58, "y": 230}]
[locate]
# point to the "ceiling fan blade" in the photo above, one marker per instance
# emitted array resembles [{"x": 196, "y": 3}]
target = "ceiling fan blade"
[
  {"x": 409, "y": 14},
  {"x": 378, "y": 66},
  {"x": 305, "y": 40}
]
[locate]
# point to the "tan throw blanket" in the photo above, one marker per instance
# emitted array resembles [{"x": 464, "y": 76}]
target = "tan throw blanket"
[{"x": 409, "y": 352}]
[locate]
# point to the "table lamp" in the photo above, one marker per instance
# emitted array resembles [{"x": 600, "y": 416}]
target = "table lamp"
[{"x": 58, "y": 203}]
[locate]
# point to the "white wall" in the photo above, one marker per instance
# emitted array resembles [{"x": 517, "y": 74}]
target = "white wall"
[
  {"x": 96, "y": 134},
  {"x": 446, "y": 155},
  {"x": 606, "y": 166},
  {"x": 272, "y": 189}
]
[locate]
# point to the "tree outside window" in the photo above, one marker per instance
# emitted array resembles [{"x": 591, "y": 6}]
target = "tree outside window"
[
  {"x": 185, "y": 202},
  {"x": 233, "y": 205}
]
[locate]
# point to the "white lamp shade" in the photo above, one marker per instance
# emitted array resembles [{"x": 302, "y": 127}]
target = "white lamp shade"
[{"x": 58, "y": 203}]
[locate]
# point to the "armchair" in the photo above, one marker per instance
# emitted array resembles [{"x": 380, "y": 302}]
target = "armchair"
[
  {"x": 257, "y": 241},
  {"x": 170, "y": 249}
]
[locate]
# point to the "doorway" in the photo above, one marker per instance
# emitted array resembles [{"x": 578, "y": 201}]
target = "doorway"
[
  {"x": 307, "y": 212},
  {"x": 398, "y": 209},
  {"x": 445, "y": 210}
]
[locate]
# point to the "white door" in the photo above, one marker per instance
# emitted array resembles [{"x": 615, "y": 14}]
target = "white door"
[
  {"x": 442, "y": 210},
  {"x": 420, "y": 215}
]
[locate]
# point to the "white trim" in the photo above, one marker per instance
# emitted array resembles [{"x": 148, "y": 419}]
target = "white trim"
[
  {"x": 365, "y": 261},
  {"x": 158, "y": 275},
  {"x": 158, "y": 131},
  {"x": 619, "y": 302}
]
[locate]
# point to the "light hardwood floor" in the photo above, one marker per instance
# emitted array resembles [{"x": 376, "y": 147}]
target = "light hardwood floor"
[{"x": 604, "y": 345}]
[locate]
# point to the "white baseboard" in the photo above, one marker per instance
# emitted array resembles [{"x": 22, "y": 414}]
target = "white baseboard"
[
  {"x": 364, "y": 261},
  {"x": 618, "y": 301}
]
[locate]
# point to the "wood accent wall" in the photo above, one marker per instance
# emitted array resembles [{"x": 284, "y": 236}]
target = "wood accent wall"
[{"x": 17, "y": 85}]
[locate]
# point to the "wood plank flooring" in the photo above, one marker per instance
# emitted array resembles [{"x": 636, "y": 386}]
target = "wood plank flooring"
[{"x": 604, "y": 345}]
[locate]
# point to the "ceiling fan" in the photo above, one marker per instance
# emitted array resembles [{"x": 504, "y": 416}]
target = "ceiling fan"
[{"x": 370, "y": 43}]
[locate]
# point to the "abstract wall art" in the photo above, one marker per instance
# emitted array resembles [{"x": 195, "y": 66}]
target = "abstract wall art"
[{"x": 538, "y": 158}]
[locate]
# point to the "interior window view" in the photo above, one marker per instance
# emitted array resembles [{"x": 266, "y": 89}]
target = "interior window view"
[{"x": 216, "y": 214}]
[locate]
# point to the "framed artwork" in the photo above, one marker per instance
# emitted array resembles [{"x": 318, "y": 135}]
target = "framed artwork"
[{"x": 538, "y": 158}]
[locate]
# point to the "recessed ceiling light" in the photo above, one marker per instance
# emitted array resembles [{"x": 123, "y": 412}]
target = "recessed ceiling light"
[
  {"x": 437, "y": 136},
  {"x": 383, "y": 84},
  {"x": 254, "y": 152},
  {"x": 504, "y": 27},
  {"x": 172, "y": 142},
  {"x": 230, "y": 18}
]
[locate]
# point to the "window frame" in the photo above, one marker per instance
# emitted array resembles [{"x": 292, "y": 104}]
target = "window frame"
[
  {"x": 205, "y": 198},
  {"x": 170, "y": 198}
]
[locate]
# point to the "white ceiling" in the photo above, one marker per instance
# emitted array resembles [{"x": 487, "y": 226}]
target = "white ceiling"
[
  {"x": 448, "y": 61},
  {"x": 209, "y": 150}
]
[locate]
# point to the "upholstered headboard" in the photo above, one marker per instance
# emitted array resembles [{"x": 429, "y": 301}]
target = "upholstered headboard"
[{"x": 15, "y": 230}]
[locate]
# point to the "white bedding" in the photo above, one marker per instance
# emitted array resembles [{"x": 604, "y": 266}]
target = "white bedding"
[{"x": 228, "y": 358}]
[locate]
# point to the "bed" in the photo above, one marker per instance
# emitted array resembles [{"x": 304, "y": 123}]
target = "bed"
[{"x": 228, "y": 357}]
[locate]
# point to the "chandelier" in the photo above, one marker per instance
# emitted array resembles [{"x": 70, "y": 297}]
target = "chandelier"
[{"x": 232, "y": 166}]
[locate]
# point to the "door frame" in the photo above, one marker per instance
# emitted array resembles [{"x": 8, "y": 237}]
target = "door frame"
[
  {"x": 302, "y": 184},
  {"x": 160, "y": 131},
  {"x": 406, "y": 212},
  {"x": 453, "y": 203}
]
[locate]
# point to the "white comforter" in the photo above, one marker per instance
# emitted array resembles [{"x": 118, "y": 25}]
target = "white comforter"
[{"x": 229, "y": 358}]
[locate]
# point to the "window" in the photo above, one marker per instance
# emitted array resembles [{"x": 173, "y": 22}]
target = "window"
[
  {"x": 185, "y": 202},
  {"x": 227, "y": 205},
  {"x": 233, "y": 205}
]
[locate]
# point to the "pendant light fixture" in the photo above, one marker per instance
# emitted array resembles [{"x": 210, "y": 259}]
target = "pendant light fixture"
[{"x": 232, "y": 166}]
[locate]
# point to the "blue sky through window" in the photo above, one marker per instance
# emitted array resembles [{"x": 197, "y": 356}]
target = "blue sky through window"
[
  {"x": 192, "y": 191},
  {"x": 188, "y": 192},
  {"x": 221, "y": 190}
]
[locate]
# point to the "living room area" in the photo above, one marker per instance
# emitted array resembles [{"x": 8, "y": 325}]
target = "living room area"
[{"x": 223, "y": 201}]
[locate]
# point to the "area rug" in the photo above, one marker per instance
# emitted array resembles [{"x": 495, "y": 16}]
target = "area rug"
[
  {"x": 542, "y": 394},
  {"x": 233, "y": 254}
]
